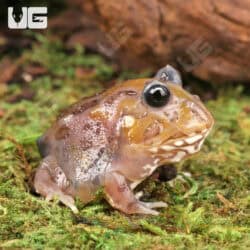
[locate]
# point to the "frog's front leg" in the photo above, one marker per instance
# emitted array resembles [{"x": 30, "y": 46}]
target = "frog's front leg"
[
  {"x": 51, "y": 182},
  {"x": 120, "y": 196}
]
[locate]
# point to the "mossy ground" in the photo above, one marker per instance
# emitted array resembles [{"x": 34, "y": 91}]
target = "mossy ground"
[{"x": 207, "y": 210}]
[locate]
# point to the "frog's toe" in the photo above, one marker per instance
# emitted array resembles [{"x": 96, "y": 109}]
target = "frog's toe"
[
  {"x": 138, "y": 195},
  {"x": 142, "y": 209},
  {"x": 65, "y": 199},
  {"x": 69, "y": 201},
  {"x": 157, "y": 204}
]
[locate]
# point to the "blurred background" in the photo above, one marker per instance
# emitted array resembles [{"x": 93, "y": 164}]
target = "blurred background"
[{"x": 89, "y": 45}]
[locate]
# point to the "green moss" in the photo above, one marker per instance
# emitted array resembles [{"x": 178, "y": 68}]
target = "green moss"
[{"x": 207, "y": 210}]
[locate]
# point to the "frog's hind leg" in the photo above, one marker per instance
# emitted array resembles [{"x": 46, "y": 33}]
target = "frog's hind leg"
[
  {"x": 120, "y": 196},
  {"x": 51, "y": 182}
]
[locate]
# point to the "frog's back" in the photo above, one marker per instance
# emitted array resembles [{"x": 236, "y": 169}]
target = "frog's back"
[
  {"x": 81, "y": 106},
  {"x": 44, "y": 142}
]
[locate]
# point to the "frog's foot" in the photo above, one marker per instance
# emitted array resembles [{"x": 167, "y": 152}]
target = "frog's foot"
[
  {"x": 157, "y": 204},
  {"x": 67, "y": 200},
  {"x": 45, "y": 185},
  {"x": 120, "y": 196}
]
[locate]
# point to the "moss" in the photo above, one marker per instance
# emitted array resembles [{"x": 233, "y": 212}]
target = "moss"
[{"x": 207, "y": 210}]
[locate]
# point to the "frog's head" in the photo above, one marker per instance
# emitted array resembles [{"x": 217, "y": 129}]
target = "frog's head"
[{"x": 163, "y": 118}]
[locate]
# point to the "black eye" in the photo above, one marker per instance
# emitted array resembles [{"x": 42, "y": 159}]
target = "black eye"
[{"x": 156, "y": 95}]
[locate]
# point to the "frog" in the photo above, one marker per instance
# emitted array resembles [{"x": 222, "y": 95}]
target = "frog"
[{"x": 116, "y": 139}]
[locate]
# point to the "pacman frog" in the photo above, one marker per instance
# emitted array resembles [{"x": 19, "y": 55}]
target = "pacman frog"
[{"x": 116, "y": 139}]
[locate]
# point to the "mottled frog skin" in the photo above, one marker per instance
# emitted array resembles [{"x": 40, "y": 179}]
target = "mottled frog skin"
[{"x": 116, "y": 139}]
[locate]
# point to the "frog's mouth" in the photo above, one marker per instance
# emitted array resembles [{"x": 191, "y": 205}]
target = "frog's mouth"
[{"x": 176, "y": 149}]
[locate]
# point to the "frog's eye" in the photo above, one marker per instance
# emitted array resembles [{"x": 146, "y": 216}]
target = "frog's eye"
[
  {"x": 169, "y": 73},
  {"x": 156, "y": 95}
]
